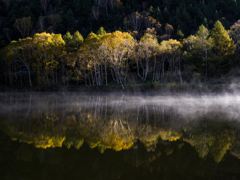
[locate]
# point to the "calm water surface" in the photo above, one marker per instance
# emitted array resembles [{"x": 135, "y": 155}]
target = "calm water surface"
[{"x": 126, "y": 137}]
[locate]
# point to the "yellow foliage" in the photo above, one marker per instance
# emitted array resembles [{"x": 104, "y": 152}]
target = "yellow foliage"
[{"x": 47, "y": 142}]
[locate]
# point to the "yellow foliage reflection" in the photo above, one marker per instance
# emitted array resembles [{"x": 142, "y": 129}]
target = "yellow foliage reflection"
[{"x": 115, "y": 131}]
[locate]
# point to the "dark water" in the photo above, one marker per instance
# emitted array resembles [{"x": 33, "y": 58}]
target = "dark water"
[{"x": 105, "y": 137}]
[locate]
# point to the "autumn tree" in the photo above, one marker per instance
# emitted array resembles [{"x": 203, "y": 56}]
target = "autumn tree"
[
  {"x": 149, "y": 22},
  {"x": 22, "y": 52},
  {"x": 49, "y": 49},
  {"x": 169, "y": 29},
  {"x": 73, "y": 61},
  {"x": 171, "y": 53},
  {"x": 92, "y": 65},
  {"x": 145, "y": 54},
  {"x": 139, "y": 21},
  {"x": 117, "y": 47},
  {"x": 158, "y": 27}
]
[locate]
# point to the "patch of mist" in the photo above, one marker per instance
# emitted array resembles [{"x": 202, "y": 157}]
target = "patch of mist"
[{"x": 188, "y": 107}]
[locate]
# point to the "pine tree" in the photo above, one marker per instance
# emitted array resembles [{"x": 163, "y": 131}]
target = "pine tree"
[
  {"x": 199, "y": 55},
  {"x": 101, "y": 32},
  {"x": 151, "y": 11},
  {"x": 205, "y": 22},
  {"x": 77, "y": 39},
  {"x": 204, "y": 43},
  {"x": 179, "y": 36},
  {"x": 224, "y": 45},
  {"x": 67, "y": 38},
  {"x": 223, "y": 49}
]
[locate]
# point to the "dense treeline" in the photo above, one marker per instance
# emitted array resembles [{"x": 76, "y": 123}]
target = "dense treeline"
[
  {"x": 53, "y": 59},
  {"x": 147, "y": 49},
  {"x": 22, "y": 18}
]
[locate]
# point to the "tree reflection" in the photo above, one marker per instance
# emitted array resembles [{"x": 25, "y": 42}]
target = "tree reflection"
[{"x": 113, "y": 123}]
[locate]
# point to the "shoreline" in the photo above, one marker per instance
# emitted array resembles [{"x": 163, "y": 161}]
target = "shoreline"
[{"x": 147, "y": 89}]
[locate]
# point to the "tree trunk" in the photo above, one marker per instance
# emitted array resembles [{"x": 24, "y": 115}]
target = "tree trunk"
[
  {"x": 179, "y": 70},
  {"x": 205, "y": 79},
  {"x": 106, "y": 75},
  {"x": 29, "y": 75}
]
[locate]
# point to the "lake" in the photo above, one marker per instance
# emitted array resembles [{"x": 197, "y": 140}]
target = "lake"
[{"x": 115, "y": 136}]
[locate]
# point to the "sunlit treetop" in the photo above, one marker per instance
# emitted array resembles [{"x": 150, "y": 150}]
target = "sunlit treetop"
[
  {"x": 171, "y": 45},
  {"x": 101, "y": 32},
  {"x": 68, "y": 38},
  {"x": 223, "y": 43}
]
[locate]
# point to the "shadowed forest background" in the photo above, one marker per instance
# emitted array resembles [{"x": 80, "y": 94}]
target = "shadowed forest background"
[{"x": 47, "y": 43}]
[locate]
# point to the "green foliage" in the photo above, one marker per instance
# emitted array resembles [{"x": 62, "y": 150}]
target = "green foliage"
[
  {"x": 222, "y": 143},
  {"x": 22, "y": 19},
  {"x": 67, "y": 38},
  {"x": 182, "y": 14},
  {"x": 211, "y": 54},
  {"x": 223, "y": 44},
  {"x": 179, "y": 36},
  {"x": 223, "y": 50},
  {"x": 101, "y": 32},
  {"x": 73, "y": 42},
  {"x": 77, "y": 39}
]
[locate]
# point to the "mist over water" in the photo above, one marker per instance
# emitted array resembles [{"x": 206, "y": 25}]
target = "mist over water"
[
  {"x": 138, "y": 132},
  {"x": 186, "y": 106}
]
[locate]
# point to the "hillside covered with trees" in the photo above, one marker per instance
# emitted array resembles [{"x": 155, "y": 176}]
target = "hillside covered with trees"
[{"x": 102, "y": 42}]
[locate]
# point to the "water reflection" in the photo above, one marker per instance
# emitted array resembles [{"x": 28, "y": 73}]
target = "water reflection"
[{"x": 144, "y": 131}]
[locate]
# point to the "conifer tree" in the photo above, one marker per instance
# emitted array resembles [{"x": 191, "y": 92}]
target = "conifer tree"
[
  {"x": 101, "y": 32},
  {"x": 77, "y": 39},
  {"x": 67, "y": 38},
  {"x": 204, "y": 43},
  {"x": 223, "y": 49},
  {"x": 179, "y": 36},
  {"x": 200, "y": 46},
  {"x": 224, "y": 45}
]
